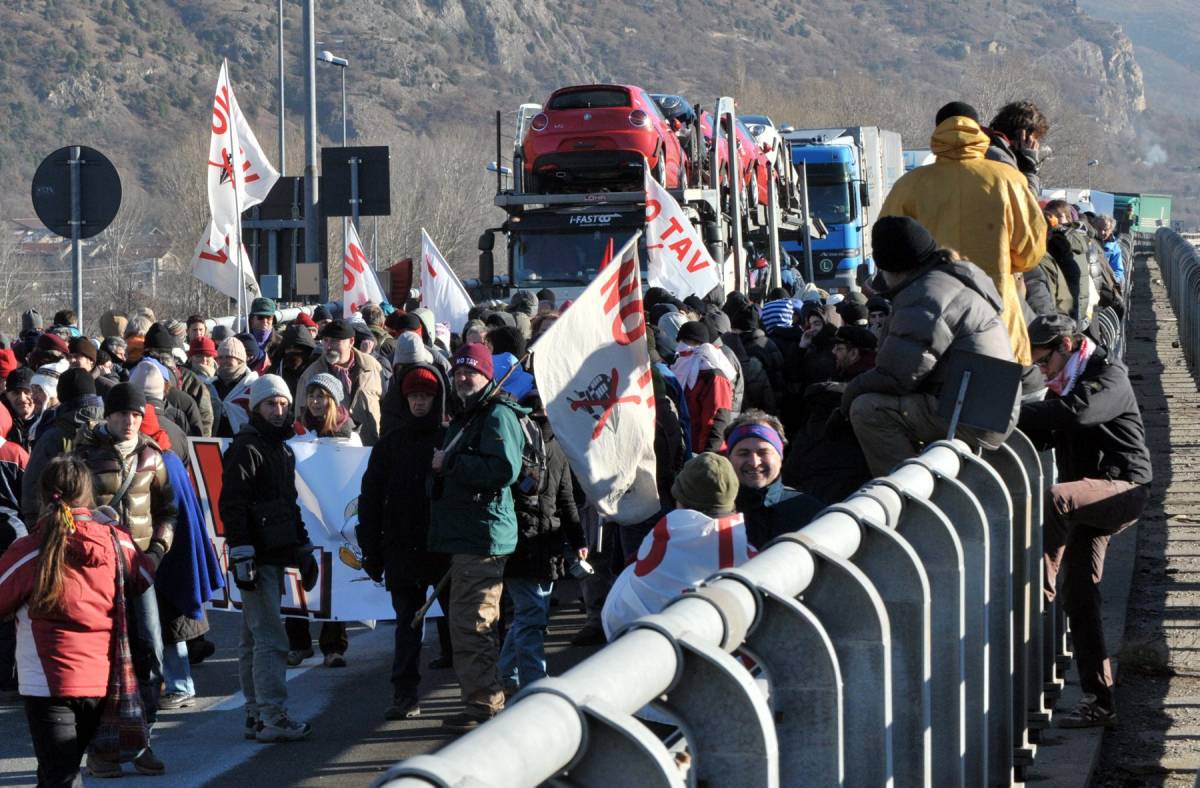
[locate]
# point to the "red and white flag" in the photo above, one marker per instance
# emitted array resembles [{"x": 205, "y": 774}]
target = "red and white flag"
[
  {"x": 593, "y": 372},
  {"x": 214, "y": 265},
  {"x": 239, "y": 173},
  {"x": 360, "y": 283},
  {"x": 441, "y": 289},
  {"x": 679, "y": 262}
]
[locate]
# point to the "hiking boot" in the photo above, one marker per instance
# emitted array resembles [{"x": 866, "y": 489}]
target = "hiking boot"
[
  {"x": 149, "y": 763},
  {"x": 101, "y": 768},
  {"x": 297, "y": 656},
  {"x": 465, "y": 721},
  {"x": 335, "y": 660},
  {"x": 176, "y": 700},
  {"x": 283, "y": 729},
  {"x": 441, "y": 663},
  {"x": 405, "y": 707},
  {"x": 1088, "y": 714},
  {"x": 589, "y": 635},
  {"x": 253, "y": 726}
]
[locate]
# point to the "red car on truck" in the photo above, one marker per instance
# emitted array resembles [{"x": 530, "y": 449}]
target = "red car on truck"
[{"x": 591, "y": 136}]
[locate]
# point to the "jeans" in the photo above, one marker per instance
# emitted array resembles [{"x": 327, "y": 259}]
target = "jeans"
[
  {"x": 262, "y": 658},
  {"x": 475, "y": 585},
  {"x": 523, "y": 655},
  {"x": 407, "y": 599},
  {"x": 61, "y": 729},
  {"x": 146, "y": 643},
  {"x": 177, "y": 671}
]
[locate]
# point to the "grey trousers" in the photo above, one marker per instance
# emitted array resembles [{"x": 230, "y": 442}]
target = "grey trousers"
[{"x": 262, "y": 658}]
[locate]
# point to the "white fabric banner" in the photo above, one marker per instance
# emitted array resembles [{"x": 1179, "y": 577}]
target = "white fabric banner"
[
  {"x": 212, "y": 265},
  {"x": 683, "y": 549},
  {"x": 239, "y": 173},
  {"x": 679, "y": 262},
  {"x": 441, "y": 289},
  {"x": 328, "y": 478},
  {"x": 360, "y": 284},
  {"x": 593, "y": 372}
]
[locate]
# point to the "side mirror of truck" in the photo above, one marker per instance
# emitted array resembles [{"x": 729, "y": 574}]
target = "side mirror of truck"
[
  {"x": 487, "y": 266},
  {"x": 865, "y": 196},
  {"x": 487, "y": 242}
]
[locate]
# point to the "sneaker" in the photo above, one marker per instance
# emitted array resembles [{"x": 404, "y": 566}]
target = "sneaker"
[
  {"x": 589, "y": 635},
  {"x": 297, "y": 656},
  {"x": 101, "y": 768},
  {"x": 149, "y": 763},
  {"x": 253, "y": 726},
  {"x": 441, "y": 663},
  {"x": 200, "y": 649},
  {"x": 406, "y": 707},
  {"x": 465, "y": 721},
  {"x": 283, "y": 729},
  {"x": 335, "y": 660},
  {"x": 176, "y": 700},
  {"x": 1088, "y": 714}
]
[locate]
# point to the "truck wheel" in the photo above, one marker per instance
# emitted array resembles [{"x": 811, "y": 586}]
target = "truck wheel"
[
  {"x": 660, "y": 169},
  {"x": 752, "y": 197}
]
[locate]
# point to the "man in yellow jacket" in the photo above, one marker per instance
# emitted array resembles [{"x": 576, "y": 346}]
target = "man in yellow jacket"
[{"x": 982, "y": 209}]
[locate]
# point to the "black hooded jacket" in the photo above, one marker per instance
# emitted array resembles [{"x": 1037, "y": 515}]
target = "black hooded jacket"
[{"x": 393, "y": 507}]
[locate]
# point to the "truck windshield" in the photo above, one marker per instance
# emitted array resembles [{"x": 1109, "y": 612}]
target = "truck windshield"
[
  {"x": 566, "y": 258},
  {"x": 829, "y": 193}
]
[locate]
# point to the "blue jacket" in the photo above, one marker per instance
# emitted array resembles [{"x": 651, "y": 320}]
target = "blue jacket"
[
  {"x": 775, "y": 510},
  {"x": 1116, "y": 260}
]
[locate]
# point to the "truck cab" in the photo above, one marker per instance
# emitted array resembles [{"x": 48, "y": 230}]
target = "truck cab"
[{"x": 834, "y": 197}]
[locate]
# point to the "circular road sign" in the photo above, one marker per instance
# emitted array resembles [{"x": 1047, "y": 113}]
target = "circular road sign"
[{"x": 99, "y": 191}]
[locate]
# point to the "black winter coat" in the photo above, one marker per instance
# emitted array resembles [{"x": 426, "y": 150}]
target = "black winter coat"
[
  {"x": 542, "y": 540},
  {"x": 259, "y": 483}
]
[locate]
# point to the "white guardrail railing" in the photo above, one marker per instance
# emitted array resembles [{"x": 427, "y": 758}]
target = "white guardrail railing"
[{"x": 900, "y": 638}]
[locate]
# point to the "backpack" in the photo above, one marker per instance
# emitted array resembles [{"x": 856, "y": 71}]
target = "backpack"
[{"x": 533, "y": 477}]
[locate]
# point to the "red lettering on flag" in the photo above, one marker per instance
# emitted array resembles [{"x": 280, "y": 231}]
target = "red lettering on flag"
[{"x": 623, "y": 289}]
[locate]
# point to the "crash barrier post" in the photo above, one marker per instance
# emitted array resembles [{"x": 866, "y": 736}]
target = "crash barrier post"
[
  {"x": 1179, "y": 263},
  {"x": 898, "y": 638}
]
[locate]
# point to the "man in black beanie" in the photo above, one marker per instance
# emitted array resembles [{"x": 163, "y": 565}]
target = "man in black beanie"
[
  {"x": 78, "y": 407},
  {"x": 940, "y": 304},
  {"x": 18, "y": 398}
]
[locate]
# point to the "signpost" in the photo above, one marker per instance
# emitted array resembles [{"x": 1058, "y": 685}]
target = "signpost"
[{"x": 75, "y": 202}]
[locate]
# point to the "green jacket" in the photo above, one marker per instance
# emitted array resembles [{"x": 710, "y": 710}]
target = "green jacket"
[{"x": 472, "y": 510}]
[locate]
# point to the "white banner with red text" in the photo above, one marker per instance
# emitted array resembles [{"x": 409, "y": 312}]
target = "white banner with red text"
[{"x": 679, "y": 262}]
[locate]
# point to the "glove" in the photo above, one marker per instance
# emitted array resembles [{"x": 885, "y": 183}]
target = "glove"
[
  {"x": 373, "y": 567},
  {"x": 306, "y": 562},
  {"x": 154, "y": 555},
  {"x": 245, "y": 571}
]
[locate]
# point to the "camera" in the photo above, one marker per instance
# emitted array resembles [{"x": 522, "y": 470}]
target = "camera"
[{"x": 580, "y": 569}]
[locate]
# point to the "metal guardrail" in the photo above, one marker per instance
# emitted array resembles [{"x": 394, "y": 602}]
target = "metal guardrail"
[
  {"x": 899, "y": 637},
  {"x": 1179, "y": 262}
]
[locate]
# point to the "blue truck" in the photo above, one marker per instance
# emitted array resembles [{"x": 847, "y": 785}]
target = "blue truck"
[{"x": 849, "y": 172}]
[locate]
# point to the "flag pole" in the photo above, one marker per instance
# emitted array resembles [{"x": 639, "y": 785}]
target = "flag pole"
[{"x": 233, "y": 176}]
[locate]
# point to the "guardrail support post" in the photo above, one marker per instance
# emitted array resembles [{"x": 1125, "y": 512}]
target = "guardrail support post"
[
  {"x": 853, "y": 613},
  {"x": 621, "y": 750},
  {"x": 806, "y": 690},
  {"x": 933, "y": 539},
  {"x": 1051, "y": 633}
]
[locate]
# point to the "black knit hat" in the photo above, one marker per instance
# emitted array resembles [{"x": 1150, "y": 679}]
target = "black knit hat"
[
  {"x": 852, "y": 313},
  {"x": 124, "y": 397},
  {"x": 956, "y": 109},
  {"x": 159, "y": 338},
  {"x": 321, "y": 313},
  {"x": 879, "y": 304},
  {"x": 901, "y": 244},
  {"x": 857, "y": 337},
  {"x": 697, "y": 332},
  {"x": 337, "y": 329},
  {"x": 1047, "y": 329},
  {"x": 19, "y": 378},
  {"x": 74, "y": 384}
]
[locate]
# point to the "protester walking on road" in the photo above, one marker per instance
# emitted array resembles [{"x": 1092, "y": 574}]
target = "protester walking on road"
[
  {"x": 359, "y": 374},
  {"x": 60, "y": 582},
  {"x": 264, "y": 533},
  {"x": 474, "y": 522},
  {"x": 1091, "y": 418}
]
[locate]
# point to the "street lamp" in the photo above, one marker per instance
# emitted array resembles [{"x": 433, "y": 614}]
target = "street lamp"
[
  {"x": 1091, "y": 164},
  {"x": 325, "y": 56}
]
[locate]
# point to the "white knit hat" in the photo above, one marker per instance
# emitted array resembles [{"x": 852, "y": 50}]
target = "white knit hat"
[
  {"x": 232, "y": 347},
  {"x": 410, "y": 349},
  {"x": 266, "y": 387},
  {"x": 149, "y": 379}
]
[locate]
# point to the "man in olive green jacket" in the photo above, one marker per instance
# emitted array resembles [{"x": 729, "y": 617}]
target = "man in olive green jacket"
[{"x": 473, "y": 519}]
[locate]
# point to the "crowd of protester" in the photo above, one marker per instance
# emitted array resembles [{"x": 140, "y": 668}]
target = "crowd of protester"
[{"x": 768, "y": 408}]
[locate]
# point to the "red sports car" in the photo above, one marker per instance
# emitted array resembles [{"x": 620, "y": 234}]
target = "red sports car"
[
  {"x": 599, "y": 135},
  {"x": 753, "y": 165}
]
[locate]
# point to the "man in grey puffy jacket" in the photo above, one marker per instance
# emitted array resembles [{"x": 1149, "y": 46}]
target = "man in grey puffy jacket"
[{"x": 940, "y": 304}]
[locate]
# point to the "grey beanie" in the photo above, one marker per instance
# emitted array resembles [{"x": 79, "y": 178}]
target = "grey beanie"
[
  {"x": 523, "y": 301},
  {"x": 410, "y": 349},
  {"x": 329, "y": 383},
  {"x": 266, "y": 387}
]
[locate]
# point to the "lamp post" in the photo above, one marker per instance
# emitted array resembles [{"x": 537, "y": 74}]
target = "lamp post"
[
  {"x": 325, "y": 56},
  {"x": 1091, "y": 164}
]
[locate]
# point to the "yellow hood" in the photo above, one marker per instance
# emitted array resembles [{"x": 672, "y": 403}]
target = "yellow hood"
[{"x": 959, "y": 138}]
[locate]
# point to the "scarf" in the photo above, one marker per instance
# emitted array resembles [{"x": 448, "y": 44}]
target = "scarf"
[
  {"x": 1064, "y": 381},
  {"x": 343, "y": 375},
  {"x": 691, "y": 360}
]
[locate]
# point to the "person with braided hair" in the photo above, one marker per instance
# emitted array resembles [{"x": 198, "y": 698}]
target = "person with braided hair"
[{"x": 60, "y": 583}]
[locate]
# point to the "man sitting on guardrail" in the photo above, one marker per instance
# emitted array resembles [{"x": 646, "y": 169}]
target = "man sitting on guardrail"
[
  {"x": 940, "y": 304},
  {"x": 1091, "y": 418}
]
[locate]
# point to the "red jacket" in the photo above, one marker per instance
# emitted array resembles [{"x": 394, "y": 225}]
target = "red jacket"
[
  {"x": 66, "y": 653},
  {"x": 710, "y": 405}
]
